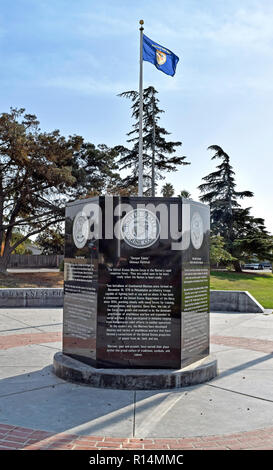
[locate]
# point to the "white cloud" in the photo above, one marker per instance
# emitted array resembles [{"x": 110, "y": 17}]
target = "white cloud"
[
  {"x": 243, "y": 28},
  {"x": 86, "y": 85},
  {"x": 246, "y": 28}
]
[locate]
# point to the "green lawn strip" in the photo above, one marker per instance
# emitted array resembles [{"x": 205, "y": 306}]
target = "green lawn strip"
[{"x": 260, "y": 285}]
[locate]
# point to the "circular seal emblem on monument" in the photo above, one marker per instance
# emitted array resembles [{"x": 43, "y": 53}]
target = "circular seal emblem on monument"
[
  {"x": 140, "y": 228},
  {"x": 197, "y": 230},
  {"x": 80, "y": 230}
]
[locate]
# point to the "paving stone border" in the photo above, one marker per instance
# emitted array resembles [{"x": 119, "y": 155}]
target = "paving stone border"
[
  {"x": 26, "y": 339},
  {"x": 19, "y": 438}
]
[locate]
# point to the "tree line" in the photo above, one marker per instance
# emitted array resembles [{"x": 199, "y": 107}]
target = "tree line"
[
  {"x": 41, "y": 171},
  {"x": 236, "y": 235}
]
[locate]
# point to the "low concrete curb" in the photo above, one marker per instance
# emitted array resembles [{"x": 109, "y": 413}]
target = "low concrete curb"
[
  {"x": 134, "y": 379},
  {"x": 234, "y": 301},
  {"x": 31, "y": 297}
]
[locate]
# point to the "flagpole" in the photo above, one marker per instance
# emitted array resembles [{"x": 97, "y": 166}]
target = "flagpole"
[
  {"x": 153, "y": 150},
  {"x": 140, "y": 149}
]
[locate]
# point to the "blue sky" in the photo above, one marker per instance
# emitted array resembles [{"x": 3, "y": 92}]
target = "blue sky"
[{"x": 66, "y": 61}]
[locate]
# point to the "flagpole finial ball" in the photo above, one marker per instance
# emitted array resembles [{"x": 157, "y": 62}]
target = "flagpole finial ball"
[{"x": 141, "y": 22}]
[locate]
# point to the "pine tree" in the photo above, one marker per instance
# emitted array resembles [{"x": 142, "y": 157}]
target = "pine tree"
[
  {"x": 219, "y": 191},
  {"x": 157, "y": 151},
  {"x": 241, "y": 232}
]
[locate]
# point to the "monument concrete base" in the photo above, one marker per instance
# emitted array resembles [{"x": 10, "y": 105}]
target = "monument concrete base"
[{"x": 72, "y": 370}]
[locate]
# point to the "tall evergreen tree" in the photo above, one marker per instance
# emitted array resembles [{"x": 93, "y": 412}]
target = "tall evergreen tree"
[
  {"x": 219, "y": 191},
  {"x": 243, "y": 234},
  {"x": 157, "y": 151}
]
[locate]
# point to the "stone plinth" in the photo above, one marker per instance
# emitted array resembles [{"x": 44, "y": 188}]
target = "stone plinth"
[{"x": 134, "y": 379}]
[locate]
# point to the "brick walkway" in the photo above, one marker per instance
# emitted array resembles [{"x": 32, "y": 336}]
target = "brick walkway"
[
  {"x": 19, "y": 438},
  {"x": 13, "y": 341},
  {"x": 261, "y": 345},
  {"x": 25, "y": 339}
]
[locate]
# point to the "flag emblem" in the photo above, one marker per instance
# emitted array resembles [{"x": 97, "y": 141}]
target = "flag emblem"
[
  {"x": 160, "y": 57},
  {"x": 164, "y": 59}
]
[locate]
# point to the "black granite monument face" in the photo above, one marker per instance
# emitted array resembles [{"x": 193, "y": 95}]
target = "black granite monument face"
[{"x": 136, "y": 286}]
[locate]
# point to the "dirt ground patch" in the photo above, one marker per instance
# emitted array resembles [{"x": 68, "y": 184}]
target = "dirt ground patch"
[{"x": 32, "y": 279}]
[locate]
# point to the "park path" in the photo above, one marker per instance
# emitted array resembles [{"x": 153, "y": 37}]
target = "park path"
[{"x": 40, "y": 411}]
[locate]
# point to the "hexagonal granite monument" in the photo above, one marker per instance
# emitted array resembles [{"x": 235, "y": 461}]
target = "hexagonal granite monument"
[{"x": 136, "y": 286}]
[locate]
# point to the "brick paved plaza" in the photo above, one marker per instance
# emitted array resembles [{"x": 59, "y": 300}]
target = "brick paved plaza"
[{"x": 40, "y": 411}]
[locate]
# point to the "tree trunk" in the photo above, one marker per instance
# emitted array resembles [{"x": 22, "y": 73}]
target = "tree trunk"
[
  {"x": 4, "y": 260},
  {"x": 237, "y": 266},
  {"x": 3, "y": 265}
]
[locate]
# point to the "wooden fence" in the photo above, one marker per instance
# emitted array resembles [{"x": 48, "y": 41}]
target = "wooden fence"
[{"x": 35, "y": 261}]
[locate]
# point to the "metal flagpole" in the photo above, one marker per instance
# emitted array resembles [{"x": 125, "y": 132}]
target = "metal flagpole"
[
  {"x": 140, "y": 150},
  {"x": 153, "y": 150}
]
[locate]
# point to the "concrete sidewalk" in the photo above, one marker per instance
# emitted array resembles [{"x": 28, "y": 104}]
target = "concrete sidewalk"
[{"x": 40, "y": 411}]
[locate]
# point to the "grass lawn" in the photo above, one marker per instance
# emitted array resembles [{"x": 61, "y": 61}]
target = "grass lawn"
[{"x": 260, "y": 285}]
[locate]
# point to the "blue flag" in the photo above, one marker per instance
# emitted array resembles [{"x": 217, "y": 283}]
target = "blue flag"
[{"x": 164, "y": 59}]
